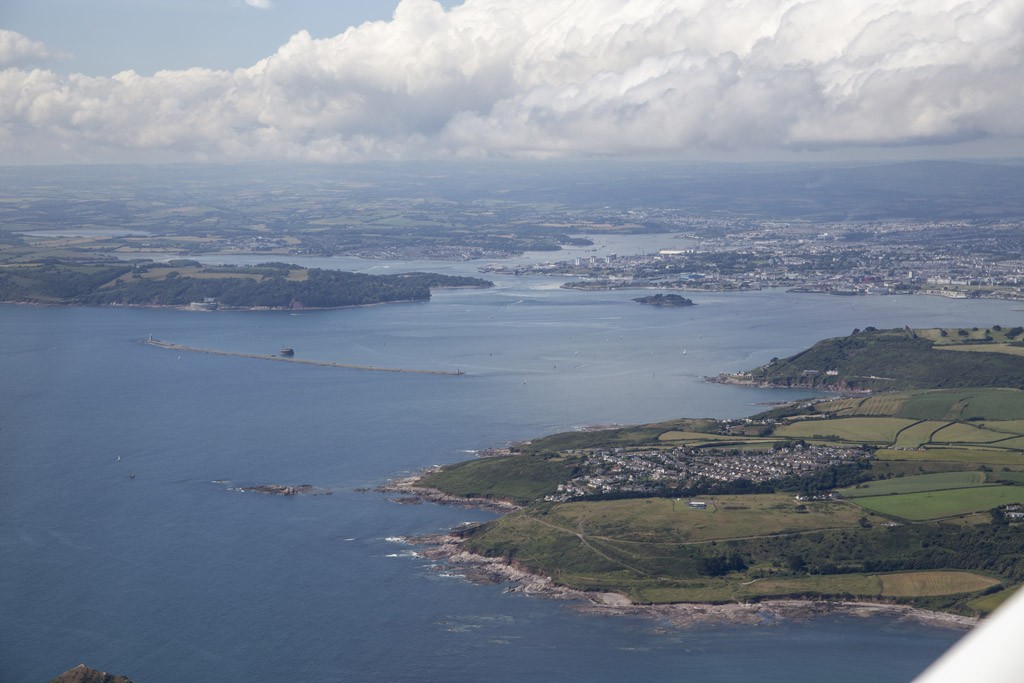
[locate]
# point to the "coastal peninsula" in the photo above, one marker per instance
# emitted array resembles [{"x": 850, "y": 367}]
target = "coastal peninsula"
[
  {"x": 189, "y": 284},
  {"x": 906, "y": 502},
  {"x": 872, "y": 360}
]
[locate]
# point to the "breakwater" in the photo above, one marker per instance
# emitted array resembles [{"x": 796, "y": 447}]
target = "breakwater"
[{"x": 300, "y": 361}]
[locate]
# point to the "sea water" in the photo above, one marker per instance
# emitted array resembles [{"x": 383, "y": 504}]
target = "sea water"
[{"x": 123, "y": 546}]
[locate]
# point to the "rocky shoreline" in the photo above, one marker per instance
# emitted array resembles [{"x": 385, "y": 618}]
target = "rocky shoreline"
[
  {"x": 411, "y": 494},
  {"x": 447, "y": 549},
  {"x": 744, "y": 381}
]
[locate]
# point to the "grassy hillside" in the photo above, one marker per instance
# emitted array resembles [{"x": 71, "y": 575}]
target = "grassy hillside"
[
  {"x": 517, "y": 479},
  {"x": 891, "y": 360},
  {"x": 749, "y": 547}
]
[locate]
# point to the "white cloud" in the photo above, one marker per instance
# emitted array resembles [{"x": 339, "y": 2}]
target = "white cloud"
[
  {"x": 258, "y": 4},
  {"x": 16, "y": 49},
  {"x": 541, "y": 78}
]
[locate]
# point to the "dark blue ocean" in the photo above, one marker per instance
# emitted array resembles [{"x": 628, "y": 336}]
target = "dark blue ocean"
[{"x": 170, "y": 576}]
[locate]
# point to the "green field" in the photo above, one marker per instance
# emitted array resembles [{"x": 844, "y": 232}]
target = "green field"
[
  {"x": 918, "y": 434},
  {"x": 936, "y": 404},
  {"x": 1012, "y": 443},
  {"x": 994, "y": 404},
  {"x": 883, "y": 404},
  {"x": 938, "y": 504},
  {"x": 907, "y": 584},
  {"x": 988, "y": 603},
  {"x": 640, "y": 520},
  {"x": 852, "y": 429},
  {"x": 970, "y": 457},
  {"x": 916, "y": 484},
  {"x": 724, "y": 590},
  {"x": 1009, "y": 426},
  {"x": 966, "y": 432},
  {"x": 916, "y": 440}
]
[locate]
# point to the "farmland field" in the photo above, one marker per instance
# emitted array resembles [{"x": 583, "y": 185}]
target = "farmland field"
[
  {"x": 995, "y": 404},
  {"x": 854, "y": 429},
  {"x": 970, "y": 457},
  {"x": 841, "y": 406},
  {"x": 936, "y": 504},
  {"x": 916, "y": 435},
  {"x": 723, "y": 590},
  {"x": 887, "y": 404},
  {"x": 916, "y": 484},
  {"x": 934, "y": 405},
  {"x": 1013, "y": 443},
  {"x": 1008, "y": 426},
  {"x": 937, "y": 404},
  {"x": 962, "y": 432},
  {"x": 934, "y": 583},
  {"x": 661, "y": 519}
]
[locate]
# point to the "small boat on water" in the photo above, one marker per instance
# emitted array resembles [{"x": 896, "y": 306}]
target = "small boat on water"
[{"x": 286, "y": 351}]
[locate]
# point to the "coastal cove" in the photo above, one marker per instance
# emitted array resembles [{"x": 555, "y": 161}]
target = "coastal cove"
[{"x": 310, "y": 587}]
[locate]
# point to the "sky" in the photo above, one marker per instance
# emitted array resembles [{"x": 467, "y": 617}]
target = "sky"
[{"x": 103, "y": 81}]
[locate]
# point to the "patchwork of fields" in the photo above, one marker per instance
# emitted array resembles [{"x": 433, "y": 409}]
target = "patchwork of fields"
[
  {"x": 915, "y": 427},
  {"x": 941, "y": 404},
  {"x": 931, "y": 519},
  {"x": 940, "y": 504}
]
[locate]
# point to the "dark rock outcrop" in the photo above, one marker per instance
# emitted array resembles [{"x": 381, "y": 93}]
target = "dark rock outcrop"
[{"x": 83, "y": 674}]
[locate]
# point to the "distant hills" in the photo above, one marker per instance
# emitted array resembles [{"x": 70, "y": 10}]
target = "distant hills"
[{"x": 922, "y": 190}]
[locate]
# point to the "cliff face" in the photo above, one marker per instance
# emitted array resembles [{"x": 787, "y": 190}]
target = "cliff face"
[{"x": 83, "y": 674}]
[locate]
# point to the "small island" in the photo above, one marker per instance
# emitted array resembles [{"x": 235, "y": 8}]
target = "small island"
[
  {"x": 668, "y": 300},
  {"x": 907, "y": 502}
]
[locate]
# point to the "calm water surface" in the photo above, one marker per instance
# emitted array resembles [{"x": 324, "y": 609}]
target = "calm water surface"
[{"x": 169, "y": 576}]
